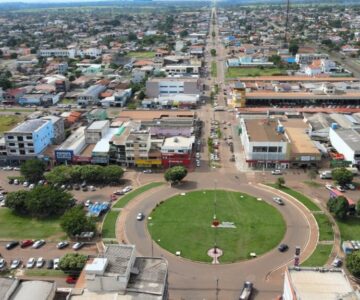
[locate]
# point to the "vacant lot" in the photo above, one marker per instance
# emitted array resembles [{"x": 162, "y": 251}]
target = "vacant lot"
[
  {"x": 9, "y": 121},
  {"x": 183, "y": 223},
  {"x": 141, "y": 54},
  {"x": 248, "y": 72}
]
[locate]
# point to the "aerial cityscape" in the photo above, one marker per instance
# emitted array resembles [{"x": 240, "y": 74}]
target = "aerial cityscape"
[{"x": 192, "y": 150}]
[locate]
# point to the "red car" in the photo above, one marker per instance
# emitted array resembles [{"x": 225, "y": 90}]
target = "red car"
[
  {"x": 71, "y": 280},
  {"x": 26, "y": 243}
]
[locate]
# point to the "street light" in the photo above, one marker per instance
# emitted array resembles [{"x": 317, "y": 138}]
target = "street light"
[{"x": 215, "y": 222}]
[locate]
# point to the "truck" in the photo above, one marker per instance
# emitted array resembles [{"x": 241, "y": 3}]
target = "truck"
[
  {"x": 326, "y": 174},
  {"x": 246, "y": 291}
]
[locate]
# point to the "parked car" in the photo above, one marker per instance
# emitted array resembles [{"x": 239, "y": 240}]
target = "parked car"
[
  {"x": 11, "y": 245},
  {"x": 88, "y": 203},
  {"x": 76, "y": 187},
  {"x": 56, "y": 263},
  {"x": 278, "y": 200},
  {"x": 127, "y": 189},
  {"x": 71, "y": 280},
  {"x": 30, "y": 263},
  {"x": 40, "y": 262},
  {"x": 329, "y": 186},
  {"x": 119, "y": 193},
  {"x": 50, "y": 264},
  {"x": 16, "y": 181},
  {"x": 15, "y": 263},
  {"x": 147, "y": 171},
  {"x": 31, "y": 186},
  {"x": 92, "y": 188},
  {"x": 340, "y": 188},
  {"x": 2, "y": 263},
  {"x": 337, "y": 263},
  {"x": 8, "y": 168},
  {"x": 140, "y": 216},
  {"x": 84, "y": 189},
  {"x": 83, "y": 184},
  {"x": 38, "y": 244},
  {"x": 16, "y": 169},
  {"x": 78, "y": 245},
  {"x": 283, "y": 247},
  {"x": 25, "y": 184},
  {"x": 62, "y": 244},
  {"x": 276, "y": 172},
  {"x": 26, "y": 243},
  {"x": 350, "y": 186},
  {"x": 11, "y": 181}
]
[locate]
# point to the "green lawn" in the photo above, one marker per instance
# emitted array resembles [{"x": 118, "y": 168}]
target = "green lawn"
[
  {"x": 44, "y": 272},
  {"x": 141, "y": 54},
  {"x": 109, "y": 225},
  {"x": 128, "y": 197},
  {"x": 16, "y": 227},
  {"x": 9, "y": 121},
  {"x": 325, "y": 228},
  {"x": 319, "y": 257},
  {"x": 183, "y": 223},
  {"x": 349, "y": 228},
  {"x": 302, "y": 198},
  {"x": 213, "y": 69},
  {"x": 249, "y": 72}
]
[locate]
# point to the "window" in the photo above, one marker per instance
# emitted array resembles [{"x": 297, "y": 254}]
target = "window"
[
  {"x": 273, "y": 149},
  {"x": 20, "y": 138},
  {"x": 29, "y": 137},
  {"x": 30, "y": 144},
  {"x": 10, "y": 137},
  {"x": 170, "y": 151},
  {"x": 11, "y": 144},
  {"x": 259, "y": 149},
  {"x": 31, "y": 151},
  {"x": 13, "y": 151}
]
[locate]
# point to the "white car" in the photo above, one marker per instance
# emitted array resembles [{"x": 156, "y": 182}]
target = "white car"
[
  {"x": 92, "y": 188},
  {"x": 8, "y": 168},
  {"x": 127, "y": 189},
  {"x": 197, "y": 155},
  {"x": 78, "y": 245},
  {"x": 56, "y": 263},
  {"x": 198, "y": 163},
  {"x": 2, "y": 263},
  {"x": 340, "y": 188},
  {"x": 147, "y": 171},
  {"x": 38, "y": 244},
  {"x": 350, "y": 186},
  {"x": 15, "y": 263},
  {"x": 25, "y": 184},
  {"x": 16, "y": 181},
  {"x": 329, "y": 186},
  {"x": 16, "y": 169},
  {"x": 30, "y": 263},
  {"x": 87, "y": 203},
  {"x": 31, "y": 186},
  {"x": 40, "y": 262},
  {"x": 276, "y": 172},
  {"x": 278, "y": 200}
]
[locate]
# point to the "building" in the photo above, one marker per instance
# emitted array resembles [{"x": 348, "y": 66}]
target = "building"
[
  {"x": 175, "y": 100},
  {"x": 91, "y": 95},
  {"x": 264, "y": 145},
  {"x": 15, "y": 289},
  {"x": 71, "y": 53},
  {"x": 72, "y": 147},
  {"x": 119, "y": 274},
  {"x": 101, "y": 152},
  {"x": 96, "y": 131},
  {"x": 177, "y": 150},
  {"x": 156, "y": 87},
  {"x": 119, "y": 98},
  {"x": 172, "y": 70},
  {"x": 308, "y": 58},
  {"x": 29, "y": 139},
  {"x": 58, "y": 127},
  {"x": 346, "y": 142},
  {"x": 97, "y": 114},
  {"x": 317, "y": 283}
]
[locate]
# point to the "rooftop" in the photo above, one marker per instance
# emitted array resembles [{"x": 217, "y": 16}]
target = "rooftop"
[
  {"x": 98, "y": 125},
  {"x": 119, "y": 258},
  {"x": 263, "y": 131},
  {"x": 29, "y": 126},
  {"x": 34, "y": 290},
  {"x": 351, "y": 136},
  {"x": 299, "y": 78},
  {"x": 154, "y": 114},
  {"x": 310, "y": 283},
  {"x": 301, "y": 142},
  {"x": 74, "y": 140},
  {"x": 179, "y": 142}
]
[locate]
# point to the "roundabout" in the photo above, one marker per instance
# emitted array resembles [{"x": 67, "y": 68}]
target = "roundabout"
[{"x": 246, "y": 225}]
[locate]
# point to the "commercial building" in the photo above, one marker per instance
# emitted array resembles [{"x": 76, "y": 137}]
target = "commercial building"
[
  {"x": 176, "y": 100},
  {"x": 264, "y": 143},
  {"x": 73, "y": 146},
  {"x": 156, "y": 87},
  {"x": 15, "y": 289},
  {"x": 101, "y": 152},
  {"x": 308, "y": 58},
  {"x": 96, "y": 131},
  {"x": 119, "y": 274},
  {"x": 71, "y": 53},
  {"x": 91, "y": 95},
  {"x": 346, "y": 142},
  {"x": 177, "y": 150},
  {"x": 317, "y": 283},
  {"x": 58, "y": 128},
  {"x": 29, "y": 139},
  {"x": 172, "y": 70}
]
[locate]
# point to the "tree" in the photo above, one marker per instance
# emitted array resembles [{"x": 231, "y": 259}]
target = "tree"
[
  {"x": 33, "y": 170},
  {"x": 276, "y": 59},
  {"x": 358, "y": 208},
  {"x": 132, "y": 36},
  {"x": 60, "y": 175},
  {"x": 339, "y": 206},
  {"x": 112, "y": 173},
  {"x": 141, "y": 95},
  {"x": 280, "y": 181},
  {"x": 213, "y": 52},
  {"x": 213, "y": 34},
  {"x": 175, "y": 174},
  {"x": 293, "y": 48},
  {"x": 16, "y": 201},
  {"x": 342, "y": 176},
  {"x": 1, "y": 53},
  {"x": 312, "y": 174},
  {"x": 5, "y": 83},
  {"x": 72, "y": 263},
  {"x": 75, "y": 221},
  {"x": 353, "y": 263},
  {"x": 184, "y": 33},
  {"x": 13, "y": 55}
]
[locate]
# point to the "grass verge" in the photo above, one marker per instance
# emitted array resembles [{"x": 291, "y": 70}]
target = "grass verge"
[
  {"x": 325, "y": 228},
  {"x": 18, "y": 227},
  {"x": 213, "y": 69},
  {"x": 319, "y": 257},
  {"x": 109, "y": 225},
  {"x": 349, "y": 228},
  {"x": 44, "y": 272},
  {"x": 128, "y": 197},
  {"x": 259, "y": 227},
  {"x": 249, "y": 72},
  {"x": 302, "y": 198},
  {"x": 313, "y": 183},
  {"x": 141, "y": 54}
]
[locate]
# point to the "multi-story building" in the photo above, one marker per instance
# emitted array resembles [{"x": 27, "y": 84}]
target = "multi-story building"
[
  {"x": 72, "y": 147},
  {"x": 181, "y": 70},
  {"x": 308, "y": 58},
  {"x": 71, "y": 53},
  {"x": 156, "y": 87},
  {"x": 91, "y": 95},
  {"x": 59, "y": 131},
  {"x": 96, "y": 131},
  {"x": 29, "y": 139},
  {"x": 177, "y": 151}
]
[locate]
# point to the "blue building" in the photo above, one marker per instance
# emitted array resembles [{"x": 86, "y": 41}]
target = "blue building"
[{"x": 29, "y": 139}]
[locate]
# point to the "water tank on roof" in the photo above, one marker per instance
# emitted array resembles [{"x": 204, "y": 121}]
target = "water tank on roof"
[
  {"x": 334, "y": 125},
  {"x": 280, "y": 128}
]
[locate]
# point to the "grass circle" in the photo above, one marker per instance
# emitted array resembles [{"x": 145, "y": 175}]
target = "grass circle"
[{"x": 183, "y": 223}]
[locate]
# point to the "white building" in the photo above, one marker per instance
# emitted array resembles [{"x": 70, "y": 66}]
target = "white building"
[
  {"x": 317, "y": 283},
  {"x": 178, "y": 145},
  {"x": 181, "y": 69},
  {"x": 91, "y": 95},
  {"x": 71, "y": 53},
  {"x": 308, "y": 58},
  {"x": 346, "y": 142},
  {"x": 96, "y": 131}
]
